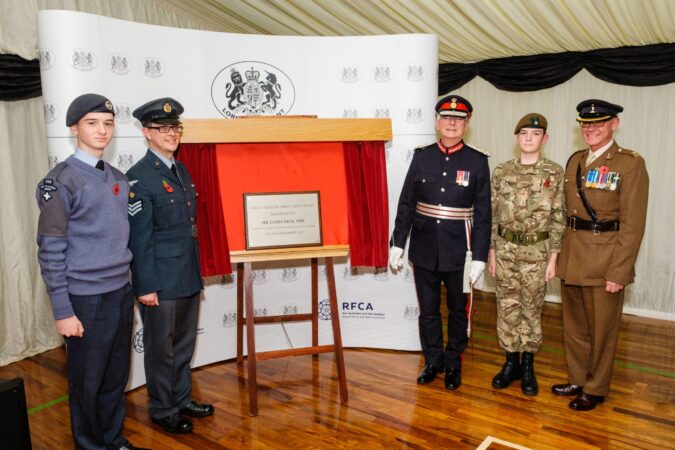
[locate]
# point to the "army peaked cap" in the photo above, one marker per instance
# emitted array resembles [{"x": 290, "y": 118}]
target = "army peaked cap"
[
  {"x": 454, "y": 105},
  {"x": 531, "y": 120},
  {"x": 594, "y": 110},
  {"x": 85, "y": 104},
  {"x": 163, "y": 110}
]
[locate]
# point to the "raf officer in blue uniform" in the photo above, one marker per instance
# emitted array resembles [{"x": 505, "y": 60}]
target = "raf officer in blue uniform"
[
  {"x": 165, "y": 268},
  {"x": 445, "y": 207}
]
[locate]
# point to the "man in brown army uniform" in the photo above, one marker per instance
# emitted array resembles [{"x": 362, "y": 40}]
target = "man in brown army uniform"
[
  {"x": 528, "y": 221},
  {"x": 606, "y": 189}
]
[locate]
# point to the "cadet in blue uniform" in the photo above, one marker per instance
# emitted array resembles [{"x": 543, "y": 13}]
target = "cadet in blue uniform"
[
  {"x": 445, "y": 200},
  {"x": 82, "y": 237},
  {"x": 165, "y": 268}
]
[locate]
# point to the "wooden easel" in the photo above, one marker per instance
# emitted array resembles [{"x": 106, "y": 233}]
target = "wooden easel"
[
  {"x": 286, "y": 129},
  {"x": 244, "y": 260}
]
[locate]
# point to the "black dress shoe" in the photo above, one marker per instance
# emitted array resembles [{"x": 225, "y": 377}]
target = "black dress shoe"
[
  {"x": 194, "y": 409},
  {"x": 130, "y": 446},
  {"x": 428, "y": 374},
  {"x": 453, "y": 378},
  {"x": 586, "y": 402},
  {"x": 175, "y": 424},
  {"x": 566, "y": 389}
]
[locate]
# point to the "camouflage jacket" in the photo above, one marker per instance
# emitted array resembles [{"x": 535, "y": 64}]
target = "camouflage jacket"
[{"x": 528, "y": 199}]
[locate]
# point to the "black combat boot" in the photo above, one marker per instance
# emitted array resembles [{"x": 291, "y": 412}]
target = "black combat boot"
[
  {"x": 510, "y": 371},
  {"x": 529, "y": 382}
]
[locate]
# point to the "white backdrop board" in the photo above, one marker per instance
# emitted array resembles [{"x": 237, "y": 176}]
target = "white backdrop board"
[{"x": 216, "y": 75}]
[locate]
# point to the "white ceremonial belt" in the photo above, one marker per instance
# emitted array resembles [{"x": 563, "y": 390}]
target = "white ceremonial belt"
[{"x": 444, "y": 212}]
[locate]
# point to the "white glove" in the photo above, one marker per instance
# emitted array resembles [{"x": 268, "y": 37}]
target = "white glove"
[
  {"x": 396, "y": 258},
  {"x": 477, "y": 268}
]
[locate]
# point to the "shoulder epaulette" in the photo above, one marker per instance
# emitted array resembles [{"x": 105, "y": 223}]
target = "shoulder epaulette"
[
  {"x": 479, "y": 150},
  {"x": 423, "y": 146},
  {"x": 625, "y": 151},
  {"x": 571, "y": 156}
]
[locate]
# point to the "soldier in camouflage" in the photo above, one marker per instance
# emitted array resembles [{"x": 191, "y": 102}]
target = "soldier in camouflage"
[{"x": 527, "y": 227}]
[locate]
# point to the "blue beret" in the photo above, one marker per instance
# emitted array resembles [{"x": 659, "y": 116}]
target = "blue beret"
[
  {"x": 162, "y": 110},
  {"x": 454, "y": 105},
  {"x": 85, "y": 104},
  {"x": 594, "y": 110}
]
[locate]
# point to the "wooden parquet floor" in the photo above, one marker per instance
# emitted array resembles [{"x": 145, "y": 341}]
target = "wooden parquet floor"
[{"x": 299, "y": 405}]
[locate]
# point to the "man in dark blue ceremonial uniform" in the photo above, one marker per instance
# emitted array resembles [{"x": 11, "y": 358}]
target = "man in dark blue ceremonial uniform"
[
  {"x": 445, "y": 200},
  {"x": 82, "y": 237},
  {"x": 165, "y": 269}
]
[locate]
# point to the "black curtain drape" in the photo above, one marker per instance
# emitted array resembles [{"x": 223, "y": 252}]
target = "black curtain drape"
[
  {"x": 647, "y": 65},
  {"x": 19, "y": 78}
]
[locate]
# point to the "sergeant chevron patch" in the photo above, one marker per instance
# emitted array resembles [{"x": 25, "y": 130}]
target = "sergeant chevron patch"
[{"x": 135, "y": 207}]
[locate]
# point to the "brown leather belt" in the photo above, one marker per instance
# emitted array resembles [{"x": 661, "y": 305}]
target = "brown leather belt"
[
  {"x": 521, "y": 238},
  {"x": 599, "y": 226}
]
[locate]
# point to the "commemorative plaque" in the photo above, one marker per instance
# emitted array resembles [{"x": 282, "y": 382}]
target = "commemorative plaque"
[{"x": 282, "y": 219}]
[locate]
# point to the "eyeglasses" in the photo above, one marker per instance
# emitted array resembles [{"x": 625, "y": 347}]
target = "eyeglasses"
[
  {"x": 598, "y": 124},
  {"x": 452, "y": 119},
  {"x": 178, "y": 129}
]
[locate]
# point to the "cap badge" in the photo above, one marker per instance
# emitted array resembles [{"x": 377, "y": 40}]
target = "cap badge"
[
  {"x": 453, "y": 103},
  {"x": 167, "y": 107},
  {"x": 108, "y": 104},
  {"x": 534, "y": 121},
  {"x": 593, "y": 108}
]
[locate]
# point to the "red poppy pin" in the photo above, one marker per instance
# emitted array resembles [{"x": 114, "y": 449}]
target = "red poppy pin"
[
  {"x": 116, "y": 189},
  {"x": 547, "y": 183},
  {"x": 604, "y": 169},
  {"x": 167, "y": 186}
]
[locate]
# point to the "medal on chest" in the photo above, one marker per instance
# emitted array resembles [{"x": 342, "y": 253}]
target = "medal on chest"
[
  {"x": 602, "y": 178},
  {"x": 463, "y": 177}
]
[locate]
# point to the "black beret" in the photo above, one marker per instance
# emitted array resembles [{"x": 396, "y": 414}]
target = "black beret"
[
  {"x": 162, "y": 110},
  {"x": 454, "y": 105},
  {"x": 531, "y": 120},
  {"x": 594, "y": 110},
  {"x": 85, "y": 104}
]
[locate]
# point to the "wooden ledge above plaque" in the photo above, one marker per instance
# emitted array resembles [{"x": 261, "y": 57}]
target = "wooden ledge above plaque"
[{"x": 285, "y": 129}]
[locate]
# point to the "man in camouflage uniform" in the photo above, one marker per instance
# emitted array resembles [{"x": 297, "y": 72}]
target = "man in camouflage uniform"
[{"x": 527, "y": 227}]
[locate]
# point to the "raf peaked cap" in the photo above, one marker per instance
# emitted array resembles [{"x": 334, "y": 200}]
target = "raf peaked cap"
[
  {"x": 85, "y": 104},
  {"x": 531, "y": 120},
  {"x": 163, "y": 110},
  {"x": 454, "y": 105},
  {"x": 595, "y": 110}
]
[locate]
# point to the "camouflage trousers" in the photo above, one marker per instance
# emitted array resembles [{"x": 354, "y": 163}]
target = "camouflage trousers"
[{"x": 521, "y": 288}]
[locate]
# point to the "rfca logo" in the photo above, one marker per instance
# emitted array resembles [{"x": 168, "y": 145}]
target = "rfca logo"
[
  {"x": 357, "y": 306},
  {"x": 265, "y": 91}
]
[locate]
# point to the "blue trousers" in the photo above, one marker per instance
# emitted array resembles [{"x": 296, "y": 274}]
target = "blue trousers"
[
  {"x": 98, "y": 368},
  {"x": 169, "y": 336}
]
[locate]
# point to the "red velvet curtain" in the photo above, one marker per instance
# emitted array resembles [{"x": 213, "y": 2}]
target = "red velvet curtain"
[
  {"x": 214, "y": 253},
  {"x": 366, "y": 171}
]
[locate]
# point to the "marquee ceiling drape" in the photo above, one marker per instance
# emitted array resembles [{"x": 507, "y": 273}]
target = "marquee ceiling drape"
[{"x": 468, "y": 30}]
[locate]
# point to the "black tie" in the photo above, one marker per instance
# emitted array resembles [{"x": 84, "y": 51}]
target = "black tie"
[
  {"x": 99, "y": 164},
  {"x": 174, "y": 170}
]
